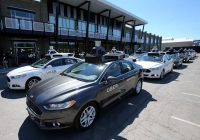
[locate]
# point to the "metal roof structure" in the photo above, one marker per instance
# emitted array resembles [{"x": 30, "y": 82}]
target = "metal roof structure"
[{"x": 98, "y": 6}]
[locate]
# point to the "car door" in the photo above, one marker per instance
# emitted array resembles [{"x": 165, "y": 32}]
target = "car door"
[
  {"x": 110, "y": 91},
  {"x": 130, "y": 76},
  {"x": 53, "y": 68},
  {"x": 168, "y": 62}
]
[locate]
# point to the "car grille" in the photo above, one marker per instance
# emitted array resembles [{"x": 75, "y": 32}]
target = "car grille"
[
  {"x": 8, "y": 79},
  {"x": 33, "y": 107},
  {"x": 146, "y": 70}
]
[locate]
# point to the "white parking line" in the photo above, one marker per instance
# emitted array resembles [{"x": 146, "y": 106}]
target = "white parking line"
[
  {"x": 185, "y": 121},
  {"x": 192, "y": 95}
]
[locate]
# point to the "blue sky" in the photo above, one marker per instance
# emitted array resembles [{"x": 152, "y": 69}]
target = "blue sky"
[{"x": 168, "y": 18}]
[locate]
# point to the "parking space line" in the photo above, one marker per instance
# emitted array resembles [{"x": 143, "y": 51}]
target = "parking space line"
[
  {"x": 191, "y": 95},
  {"x": 185, "y": 121}
]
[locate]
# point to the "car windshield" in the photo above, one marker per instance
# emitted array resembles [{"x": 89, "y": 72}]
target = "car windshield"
[
  {"x": 85, "y": 71},
  {"x": 40, "y": 63},
  {"x": 174, "y": 56},
  {"x": 153, "y": 58}
]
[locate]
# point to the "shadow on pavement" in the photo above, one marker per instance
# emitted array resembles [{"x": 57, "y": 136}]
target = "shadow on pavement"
[
  {"x": 111, "y": 122},
  {"x": 181, "y": 67},
  {"x": 189, "y": 62},
  {"x": 167, "y": 79},
  {"x": 11, "y": 94}
]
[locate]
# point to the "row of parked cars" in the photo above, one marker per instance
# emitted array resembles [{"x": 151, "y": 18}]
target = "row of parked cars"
[
  {"x": 157, "y": 64},
  {"x": 67, "y": 91}
]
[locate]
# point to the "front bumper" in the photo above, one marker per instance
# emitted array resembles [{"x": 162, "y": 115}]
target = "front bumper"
[
  {"x": 151, "y": 74},
  {"x": 51, "y": 120},
  {"x": 177, "y": 63},
  {"x": 16, "y": 83}
]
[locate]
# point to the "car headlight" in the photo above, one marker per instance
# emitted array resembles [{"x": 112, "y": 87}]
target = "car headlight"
[
  {"x": 156, "y": 68},
  {"x": 18, "y": 76},
  {"x": 59, "y": 106}
]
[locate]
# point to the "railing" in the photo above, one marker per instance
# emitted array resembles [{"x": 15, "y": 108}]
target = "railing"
[
  {"x": 34, "y": 26},
  {"x": 27, "y": 25}
]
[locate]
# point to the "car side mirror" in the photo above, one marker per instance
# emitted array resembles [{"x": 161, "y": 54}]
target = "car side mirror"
[
  {"x": 112, "y": 79},
  {"x": 49, "y": 66}
]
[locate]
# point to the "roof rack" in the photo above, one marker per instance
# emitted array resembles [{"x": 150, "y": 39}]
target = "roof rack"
[
  {"x": 113, "y": 57},
  {"x": 90, "y": 58}
]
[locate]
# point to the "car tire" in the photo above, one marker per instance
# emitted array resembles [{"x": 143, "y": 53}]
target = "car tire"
[
  {"x": 31, "y": 82},
  {"x": 85, "y": 120},
  {"x": 138, "y": 88},
  {"x": 162, "y": 74}
]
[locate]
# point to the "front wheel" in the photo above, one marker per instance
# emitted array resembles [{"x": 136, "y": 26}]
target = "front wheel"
[
  {"x": 138, "y": 87},
  {"x": 86, "y": 117},
  {"x": 31, "y": 82},
  {"x": 162, "y": 74}
]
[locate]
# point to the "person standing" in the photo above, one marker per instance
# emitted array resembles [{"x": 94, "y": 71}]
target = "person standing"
[{"x": 5, "y": 61}]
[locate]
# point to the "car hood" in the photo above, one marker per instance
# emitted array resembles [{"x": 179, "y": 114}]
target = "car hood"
[
  {"x": 148, "y": 64},
  {"x": 56, "y": 89},
  {"x": 21, "y": 70}
]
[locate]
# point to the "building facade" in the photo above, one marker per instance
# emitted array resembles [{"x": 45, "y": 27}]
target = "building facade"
[
  {"x": 179, "y": 43},
  {"x": 34, "y": 25}
]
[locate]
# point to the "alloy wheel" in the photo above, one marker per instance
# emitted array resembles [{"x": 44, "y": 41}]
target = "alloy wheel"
[
  {"x": 138, "y": 87},
  {"x": 32, "y": 82},
  {"x": 88, "y": 116}
]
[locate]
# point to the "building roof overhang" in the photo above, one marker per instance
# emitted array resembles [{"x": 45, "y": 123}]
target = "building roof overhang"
[{"x": 98, "y": 6}]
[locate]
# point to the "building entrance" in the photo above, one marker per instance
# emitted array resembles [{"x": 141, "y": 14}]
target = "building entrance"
[{"x": 22, "y": 50}]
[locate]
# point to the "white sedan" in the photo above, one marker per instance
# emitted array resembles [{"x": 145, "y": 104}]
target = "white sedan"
[
  {"x": 26, "y": 77},
  {"x": 155, "y": 65}
]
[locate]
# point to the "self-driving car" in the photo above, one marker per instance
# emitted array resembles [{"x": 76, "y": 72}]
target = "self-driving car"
[
  {"x": 184, "y": 54},
  {"x": 26, "y": 77},
  {"x": 155, "y": 64},
  {"x": 177, "y": 60},
  {"x": 75, "y": 97}
]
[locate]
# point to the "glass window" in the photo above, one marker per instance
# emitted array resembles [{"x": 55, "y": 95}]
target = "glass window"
[
  {"x": 22, "y": 14},
  {"x": 51, "y": 19},
  {"x": 56, "y": 63},
  {"x": 126, "y": 67},
  {"x": 154, "y": 58},
  {"x": 91, "y": 28},
  {"x": 40, "y": 63},
  {"x": 71, "y": 24},
  {"x": 72, "y": 12},
  {"x": 114, "y": 70},
  {"x": 85, "y": 71},
  {"x": 65, "y": 11},
  {"x": 69, "y": 61}
]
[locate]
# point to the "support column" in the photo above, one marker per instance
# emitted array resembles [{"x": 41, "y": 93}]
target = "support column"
[
  {"x": 87, "y": 27},
  {"x": 122, "y": 29},
  {"x": 56, "y": 24},
  {"x": 108, "y": 27}
]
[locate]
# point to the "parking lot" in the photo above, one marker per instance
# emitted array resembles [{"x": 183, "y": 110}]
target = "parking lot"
[{"x": 166, "y": 109}]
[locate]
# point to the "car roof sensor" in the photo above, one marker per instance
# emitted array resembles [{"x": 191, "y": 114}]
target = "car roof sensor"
[{"x": 113, "y": 57}]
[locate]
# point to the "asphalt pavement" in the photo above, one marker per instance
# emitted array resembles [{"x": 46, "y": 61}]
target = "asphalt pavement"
[{"x": 167, "y": 109}]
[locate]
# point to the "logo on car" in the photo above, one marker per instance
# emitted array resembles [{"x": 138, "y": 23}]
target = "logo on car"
[{"x": 111, "y": 88}]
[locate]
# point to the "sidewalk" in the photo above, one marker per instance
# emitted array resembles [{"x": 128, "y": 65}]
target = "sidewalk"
[{"x": 5, "y": 71}]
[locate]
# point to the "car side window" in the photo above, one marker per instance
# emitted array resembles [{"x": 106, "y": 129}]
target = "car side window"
[
  {"x": 56, "y": 63},
  {"x": 114, "y": 70},
  {"x": 68, "y": 61},
  {"x": 52, "y": 52},
  {"x": 126, "y": 67},
  {"x": 168, "y": 57}
]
